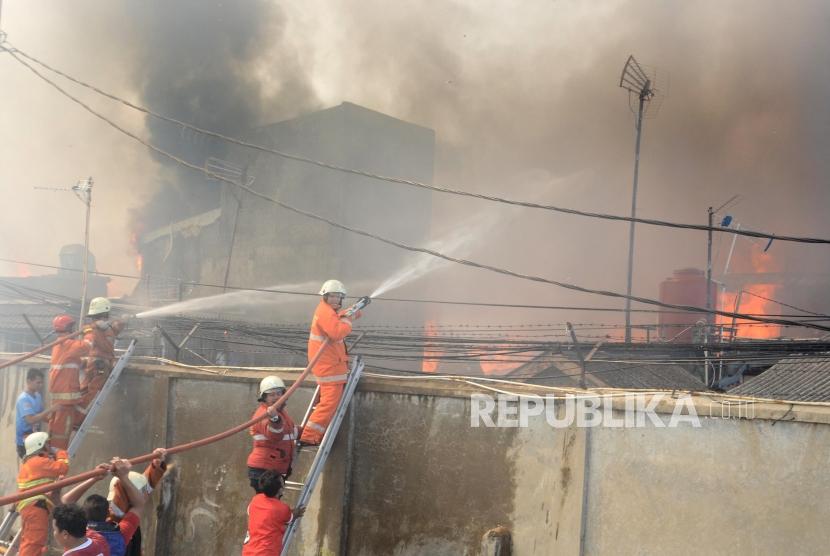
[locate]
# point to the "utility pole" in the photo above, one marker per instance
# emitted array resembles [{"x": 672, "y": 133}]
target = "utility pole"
[
  {"x": 709, "y": 330},
  {"x": 635, "y": 81},
  {"x": 711, "y": 214},
  {"x": 83, "y": 189}
]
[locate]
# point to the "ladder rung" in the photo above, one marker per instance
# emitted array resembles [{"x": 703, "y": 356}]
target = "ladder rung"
[{"x": 294, "y": 484}]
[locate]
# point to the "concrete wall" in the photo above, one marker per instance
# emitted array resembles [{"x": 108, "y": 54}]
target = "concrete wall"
[{"x": 410, "y": 476}]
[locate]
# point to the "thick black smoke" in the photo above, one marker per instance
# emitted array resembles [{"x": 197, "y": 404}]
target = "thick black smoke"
[
  {"x": 524, "y": 102},
  {"x": 224, "y": 66}
]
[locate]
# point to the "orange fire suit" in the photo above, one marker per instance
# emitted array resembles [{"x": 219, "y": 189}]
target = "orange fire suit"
[
  {"x": 38, "y": 470},
  {"x": 120, "y": 503},
  {"x": 273, "y": 442},
  {"x": 330, "y": 370},
  {"x": 65, "y": 390},
  {"x": 101, "y": 357}
]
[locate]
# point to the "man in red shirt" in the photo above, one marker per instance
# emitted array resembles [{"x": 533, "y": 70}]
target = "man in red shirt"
[
  {"x": 96, "y": 508},
  {"x": 69, "y": 524},
  {"x": 268, "y": 517},
  {"x": 120, "y": 502}
]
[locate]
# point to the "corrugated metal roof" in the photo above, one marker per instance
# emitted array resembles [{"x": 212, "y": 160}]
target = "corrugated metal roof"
[
  {"x": 803, "y": 379},
  {"x": 560, "y": 370}
]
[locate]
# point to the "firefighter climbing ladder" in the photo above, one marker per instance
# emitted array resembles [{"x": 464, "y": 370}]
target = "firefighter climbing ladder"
[
  {"x": 5, "y": 528},
  {"x": 323, "y": 451}
]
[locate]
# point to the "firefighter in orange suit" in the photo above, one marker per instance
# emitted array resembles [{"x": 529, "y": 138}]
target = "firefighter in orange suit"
[
  {"x": 64, "y": 383},
  {"x": 42, "y": 465},
  {"x": 100, "y": 334},
  {"x": 332, "y": 367},
  {"x": 145, "y": 483},
  {"x": 274, "y": 437}
]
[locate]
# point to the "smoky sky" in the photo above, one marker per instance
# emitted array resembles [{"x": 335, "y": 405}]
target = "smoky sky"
[
  {"x": 203, "y": 63},
  {"x": 524, "y": 102}
]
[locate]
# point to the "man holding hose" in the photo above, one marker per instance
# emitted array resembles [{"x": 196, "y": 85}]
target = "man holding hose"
[{"x": 332, "y": 324}]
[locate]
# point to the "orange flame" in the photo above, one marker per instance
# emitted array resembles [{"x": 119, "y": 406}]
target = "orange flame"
[
  {"x": 139, "y": 258},
  {"x": 430, "y": 364},
  {"x": 497, "y": 364},
  {"x": 751, "y": 303}
]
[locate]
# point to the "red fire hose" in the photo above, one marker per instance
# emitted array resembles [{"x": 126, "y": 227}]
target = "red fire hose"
[
  {"x": 41, "y": 349},
  {"x": 12, "y": 498}
]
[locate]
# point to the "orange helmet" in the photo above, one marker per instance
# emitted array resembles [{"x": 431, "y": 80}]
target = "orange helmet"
[{"x": 63, "y": 323}]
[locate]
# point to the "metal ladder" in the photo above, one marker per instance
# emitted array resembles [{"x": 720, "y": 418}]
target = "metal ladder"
[
  {"x": 11, "y": 517},
  {"x": 323, "y": 451}
]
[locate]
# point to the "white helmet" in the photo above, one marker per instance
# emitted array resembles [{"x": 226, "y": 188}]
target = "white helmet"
[
  {"x": 138, "y": 480},
  {"x": 35, "y": 442},
  {"x": 98, "y": 306},
  {"x": 270, "y": 383},
  {"x": 333, "y": 286}
]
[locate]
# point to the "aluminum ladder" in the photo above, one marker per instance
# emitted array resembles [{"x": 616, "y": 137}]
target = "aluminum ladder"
[
  {"x": 323, "y": 451},
  {"x": 74, "y": 444}
]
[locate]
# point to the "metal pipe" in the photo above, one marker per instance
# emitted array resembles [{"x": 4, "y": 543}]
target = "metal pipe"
[
  {"x": 243, "y": 179},
  {"x": 233, "y": 240},
  {"x": 189, "y": 334},
  {"x": 731, "y": 249},
  {"x": 734, "y": 326}
]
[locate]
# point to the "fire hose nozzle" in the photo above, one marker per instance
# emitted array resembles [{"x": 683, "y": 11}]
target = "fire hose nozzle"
[{"x": 360, "y": 304}]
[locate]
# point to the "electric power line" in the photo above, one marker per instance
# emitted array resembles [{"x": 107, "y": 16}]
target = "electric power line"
[
  {"x": 400, "y": 245},
  {"x": 782, "y": 303},
  {"x": 653, "y": 222},
  {"x": 313, "y": 294}
]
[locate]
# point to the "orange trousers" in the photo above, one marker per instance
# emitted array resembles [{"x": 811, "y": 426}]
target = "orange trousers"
[
  {"x": 64, "y": 420},
  {"x": 35, "y": 531},
  {"x": 92, "y": 388},
  {"x": 322, "y": 414}
]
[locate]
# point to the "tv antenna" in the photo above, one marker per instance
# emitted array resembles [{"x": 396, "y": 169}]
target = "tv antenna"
[{"x": 640, "y": 84}]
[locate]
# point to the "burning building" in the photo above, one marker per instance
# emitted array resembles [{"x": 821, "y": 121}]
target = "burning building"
[{"x": 241, "y": 241}]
